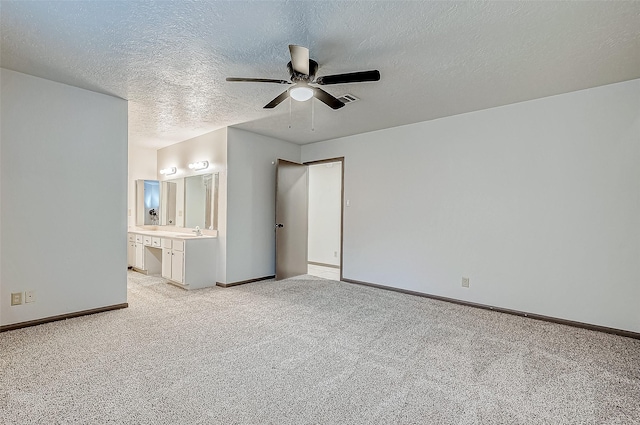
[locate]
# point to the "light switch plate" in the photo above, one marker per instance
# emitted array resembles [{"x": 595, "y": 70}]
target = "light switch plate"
[{"x": 465, "y": 282}]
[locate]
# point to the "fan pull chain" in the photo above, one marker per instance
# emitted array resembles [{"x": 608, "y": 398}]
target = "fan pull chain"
[
  {"x": 313, "y": 114},
  {"x": 289, "y": 111}
]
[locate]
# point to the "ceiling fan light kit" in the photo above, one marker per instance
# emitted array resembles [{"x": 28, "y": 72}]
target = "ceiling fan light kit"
[
  {"x": 301, "y": 93},
  {"x": 302, "y": 71}
]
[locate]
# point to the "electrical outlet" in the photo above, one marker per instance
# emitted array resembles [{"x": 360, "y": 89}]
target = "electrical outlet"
[
  {"x": 465, "y": 282},
  {"x": 335, "y": 254},
  {"x": 16, "y": 298},
  {"x": 30, "y": 296}
]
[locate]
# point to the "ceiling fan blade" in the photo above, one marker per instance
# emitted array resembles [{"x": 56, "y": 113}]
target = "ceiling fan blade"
[
  {"x": 327, "y": 99},
  {"x": 353, "y": 77},
  {"x": 299, "y": 59},
  {"x": 278, "y": 100},
  {"x": 257, "y": 80}
]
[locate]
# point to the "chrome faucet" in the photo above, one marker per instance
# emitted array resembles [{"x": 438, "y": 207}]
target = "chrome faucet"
[{"x": 198, "y": 231}]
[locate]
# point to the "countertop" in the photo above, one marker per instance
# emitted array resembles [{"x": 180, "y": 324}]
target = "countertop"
[{"x": 167, "y": 234}]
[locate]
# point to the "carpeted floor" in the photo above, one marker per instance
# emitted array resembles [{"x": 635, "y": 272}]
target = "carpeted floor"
[{"x": 312, "y": 351}]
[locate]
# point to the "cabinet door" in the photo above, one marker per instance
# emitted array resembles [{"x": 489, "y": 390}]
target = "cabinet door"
[
  {"x": 131, "y": 254},
  {"x": 166, "y": 263},
  {"x": 177, "y": 265},
  {"x": 139, "y": 263}
]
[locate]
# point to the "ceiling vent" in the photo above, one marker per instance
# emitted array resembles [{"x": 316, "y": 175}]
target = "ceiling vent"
[{"x": 347, "y": 98}]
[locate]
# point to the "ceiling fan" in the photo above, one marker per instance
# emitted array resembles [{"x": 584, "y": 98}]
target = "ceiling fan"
[{"x": 302, "y": 71}]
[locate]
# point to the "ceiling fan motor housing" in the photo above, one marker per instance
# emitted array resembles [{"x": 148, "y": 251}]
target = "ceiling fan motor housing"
[{"x": 298, "y": 77}]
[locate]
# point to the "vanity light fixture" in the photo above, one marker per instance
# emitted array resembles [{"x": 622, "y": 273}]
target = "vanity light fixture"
[
  {"x": 168, "y": 171},
  {"x": 200, "y": 165}
]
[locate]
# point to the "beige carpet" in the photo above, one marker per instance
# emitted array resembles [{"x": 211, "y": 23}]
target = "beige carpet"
[{"x": 310, "y": 351}]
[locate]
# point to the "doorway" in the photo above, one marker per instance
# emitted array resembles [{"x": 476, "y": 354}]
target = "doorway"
[
  {"x": 324, "y": 251},
  {"x": 309, "y": 215}
]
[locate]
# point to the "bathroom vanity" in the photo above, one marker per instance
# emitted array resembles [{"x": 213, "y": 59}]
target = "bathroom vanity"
[
  {"x": 186, "y": 260},
  {"x": 162, "y": 242}
]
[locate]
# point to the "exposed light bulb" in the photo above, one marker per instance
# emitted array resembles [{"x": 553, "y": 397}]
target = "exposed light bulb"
[{"x": 301, "y": 93}]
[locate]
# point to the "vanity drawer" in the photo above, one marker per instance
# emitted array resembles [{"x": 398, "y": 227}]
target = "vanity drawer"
[
  {"x": 138, "y": 238},
  {"x": 132, "y": 237},
  {"x": 166, "y": 243},
  {"x": 156, "y": 242},
  {"x": 147, "y": 240},
  {"x": 178, "y": 245}
]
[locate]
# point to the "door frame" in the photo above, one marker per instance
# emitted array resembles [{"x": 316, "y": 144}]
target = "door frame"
[{"x": 326, "y": 161}]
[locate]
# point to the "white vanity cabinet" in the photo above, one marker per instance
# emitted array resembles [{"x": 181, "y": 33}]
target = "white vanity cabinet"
[
  {"x": 189, "y": 263},
  {"x": 173, "y": 260},
  {"x": 166, "y": 258},
  {"x": 144, "y": 253},
  {"x": 131, "y": 250},
  {"x": 139, "y": 261}
]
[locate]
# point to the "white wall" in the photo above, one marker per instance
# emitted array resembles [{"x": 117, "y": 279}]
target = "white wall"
[
  {"x": 538, "y": 203},
  {"x": 63, "y": 219},
  {"x": 251, "y": 203},
  {"x": 325, "y": 200},
  {"x": 142, "y": 166},
  {"x": 210, "y": 147}
]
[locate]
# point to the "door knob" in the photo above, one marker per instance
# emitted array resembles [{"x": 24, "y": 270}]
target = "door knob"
[{"x": 279, "y": 225}]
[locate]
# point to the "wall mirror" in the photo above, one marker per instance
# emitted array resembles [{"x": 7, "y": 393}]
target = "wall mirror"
[
  {"x": 169, "y": 207},
  {"x": 147, "y": 202},
  {"x": 190, "y": 201},
  {"x": 200, "y": 202}
]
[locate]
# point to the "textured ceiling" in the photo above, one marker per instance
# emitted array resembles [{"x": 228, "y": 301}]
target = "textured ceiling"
[{"x": 170, "y": 59}]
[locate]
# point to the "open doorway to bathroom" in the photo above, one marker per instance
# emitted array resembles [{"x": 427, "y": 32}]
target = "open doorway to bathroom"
[{"x": 324, "y": 255}]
